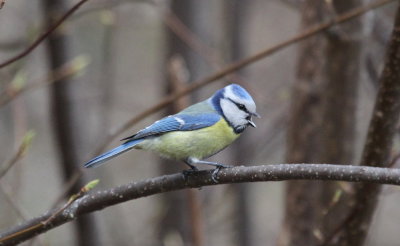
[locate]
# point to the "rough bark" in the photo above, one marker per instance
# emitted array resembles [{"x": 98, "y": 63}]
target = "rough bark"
[
  {"x": 65, "y": 114},
  {"x": 322, "y": 121}
]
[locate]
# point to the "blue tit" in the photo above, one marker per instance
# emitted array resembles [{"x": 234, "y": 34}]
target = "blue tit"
[{"x": 195, "y": 133}]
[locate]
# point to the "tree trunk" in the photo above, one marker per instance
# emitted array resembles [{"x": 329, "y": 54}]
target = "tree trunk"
[
  {"x": 65, "y": 113},
  {"x": 322, "y": 122}
]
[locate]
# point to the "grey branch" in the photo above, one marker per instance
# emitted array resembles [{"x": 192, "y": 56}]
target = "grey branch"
[{"x": 98, "y": 200}]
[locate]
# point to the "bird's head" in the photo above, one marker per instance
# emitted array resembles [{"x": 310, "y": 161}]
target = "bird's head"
[{"x": 236, "y": 105}]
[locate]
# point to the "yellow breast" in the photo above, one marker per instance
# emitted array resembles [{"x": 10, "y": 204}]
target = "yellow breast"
[{"x": 200, "y": 143}]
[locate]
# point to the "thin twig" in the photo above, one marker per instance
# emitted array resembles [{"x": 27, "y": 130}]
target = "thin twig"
[
  {"x": 278, "y": 172},
  {"x": 238, "y": 65},
  {"x": 16, "y": 206},
  {"x": 73, "y": 198},
  {"x": 337, "y": 31},
  {"x": 42, "y": 37},
  {"x": 102, "y": 5},
  {"x": 71, "y": 68},
  {"x": 394, "y": 160},
  {"x": 67, "y": 188},
  {"x": 26, "y": 142},
  {"x": 210, "y": 55}
]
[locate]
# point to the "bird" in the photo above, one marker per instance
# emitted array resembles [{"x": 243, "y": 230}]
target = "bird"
[{"x": 195, "y": 133}]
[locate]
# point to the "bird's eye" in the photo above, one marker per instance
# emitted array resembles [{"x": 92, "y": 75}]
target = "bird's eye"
[{"x": 241, "y": 107}]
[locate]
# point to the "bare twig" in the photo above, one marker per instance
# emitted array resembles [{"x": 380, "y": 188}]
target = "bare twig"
[
  {"x": 336, "y": 30},
  {"x": 10, "y": 198},
  {"x": 42, "y": 37},
  {"x": 26, "y": 142},
  {"x": 71, "y": 68},
  {"x": 238, "y": 65},
  {"x": 16, "y": 206},
  {"x": 189, "y": 37},
  {"x": 394, "y": 160},
  {"x": 278, "y": 172},
  {"x": 192, "y": 40},
  {"x": 67, "y": 188},
  {"x": 102, "y": 5},
  {"x": 73, "y": 198}
]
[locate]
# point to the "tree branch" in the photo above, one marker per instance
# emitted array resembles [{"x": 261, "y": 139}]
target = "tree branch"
[
  {"x": 101, "y": 199},
  {"x": 69, "y": 69},
  {"x": 42, "y": 37},
  {"x": 22, "y": 149}
]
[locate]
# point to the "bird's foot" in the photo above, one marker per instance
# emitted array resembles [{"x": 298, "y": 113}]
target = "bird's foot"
[
  {"x": 220, "y": 166},
  {"x": 216, "y": 171}
]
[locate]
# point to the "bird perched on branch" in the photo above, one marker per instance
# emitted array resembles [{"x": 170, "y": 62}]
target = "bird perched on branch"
[{"x": 195, "y": 133}]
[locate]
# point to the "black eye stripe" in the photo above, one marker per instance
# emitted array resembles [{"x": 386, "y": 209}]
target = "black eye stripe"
[{"x": 239, "y": 105}]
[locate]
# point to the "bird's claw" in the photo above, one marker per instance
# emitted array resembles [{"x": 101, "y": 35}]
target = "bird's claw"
[
  {"x": 216, "y": 171},
  {"x": 220, "y": 166}
]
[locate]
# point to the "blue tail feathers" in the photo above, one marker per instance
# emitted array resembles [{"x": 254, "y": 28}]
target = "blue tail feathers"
[{"x": 99, "y": 160}]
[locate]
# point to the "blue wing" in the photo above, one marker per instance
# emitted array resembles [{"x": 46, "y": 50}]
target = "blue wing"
[
  {"x": 178, "y": 122},
  {"x": 97, "y": 161}
]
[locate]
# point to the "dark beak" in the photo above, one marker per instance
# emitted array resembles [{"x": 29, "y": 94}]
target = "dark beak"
[{"x": 251, "y": 122}]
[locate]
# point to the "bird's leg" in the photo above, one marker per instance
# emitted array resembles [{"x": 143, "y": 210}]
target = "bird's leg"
[
  {"x": 187, "y": 172},
  {"x": 194, "y": 161},
  {"x": 191, "y": 161},
  {"x": 190, "y": 164}
]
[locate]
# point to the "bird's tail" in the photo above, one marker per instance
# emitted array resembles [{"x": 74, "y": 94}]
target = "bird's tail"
[{"x": 99, "y": 160}]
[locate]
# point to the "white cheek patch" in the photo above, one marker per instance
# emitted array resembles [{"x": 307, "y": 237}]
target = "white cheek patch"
[{"x": 234, "y": 115}]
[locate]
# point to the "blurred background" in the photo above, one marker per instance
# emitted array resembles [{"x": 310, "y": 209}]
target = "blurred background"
[{"x": 113, "y": 59}]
